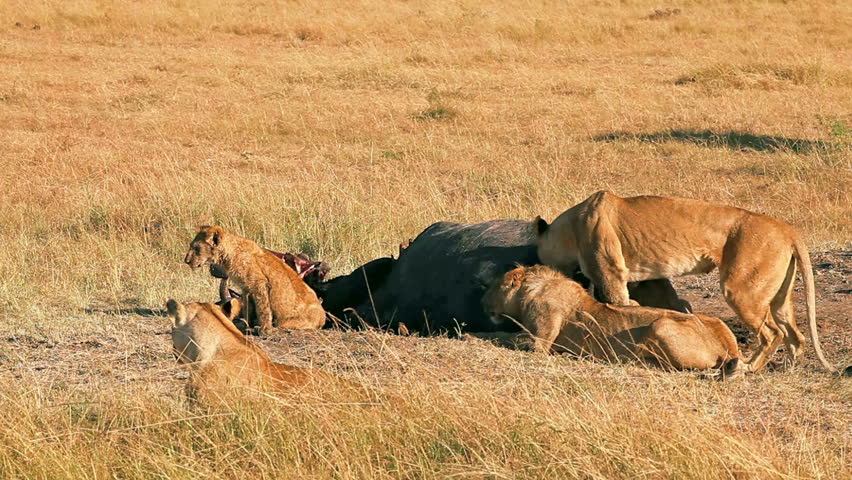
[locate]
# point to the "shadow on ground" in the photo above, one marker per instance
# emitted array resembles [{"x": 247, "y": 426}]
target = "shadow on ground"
[
  {"x": 141, "y": 312},
  {"x": 734, "y": 140}
]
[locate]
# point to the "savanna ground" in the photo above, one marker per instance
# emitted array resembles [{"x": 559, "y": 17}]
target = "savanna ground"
[{"x": 340, "y": 129}]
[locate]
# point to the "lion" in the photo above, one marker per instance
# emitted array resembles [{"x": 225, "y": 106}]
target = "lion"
[
  {"x": 562, "y": 317},
  {"x": 219, "y": 356},
  {"x": 277, "y": 296},
  {"x": 618, "y": 240}
]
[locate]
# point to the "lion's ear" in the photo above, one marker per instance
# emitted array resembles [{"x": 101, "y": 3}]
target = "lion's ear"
[
  {"x": 214, "y": 235},
  {"x": 176, "y": 311},
  {"x": 540, "y": 225},
  {"x": 232, "y": 308},
  {"x": 516, "y": 277}
]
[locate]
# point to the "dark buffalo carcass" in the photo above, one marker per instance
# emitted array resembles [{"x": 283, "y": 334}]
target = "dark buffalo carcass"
[
  {"x": 437, "y": 283},
  {"x": 346, "y": 292}
]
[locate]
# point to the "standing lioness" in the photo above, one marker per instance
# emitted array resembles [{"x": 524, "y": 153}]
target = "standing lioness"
[
  {"x": 279, "y": 297},
  {"x": 618, "y": 240},
  {"x": 562, "y": 317}
]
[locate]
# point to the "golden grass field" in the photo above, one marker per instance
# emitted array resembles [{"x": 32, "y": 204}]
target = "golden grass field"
[{"x": 342, "y": 128}]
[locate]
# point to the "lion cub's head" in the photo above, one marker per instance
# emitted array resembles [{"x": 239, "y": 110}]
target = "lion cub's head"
[
  {"x": 204, "y": 248},
  {"x": 523, "y": 287},
  {"x": 501, "y": 298}
]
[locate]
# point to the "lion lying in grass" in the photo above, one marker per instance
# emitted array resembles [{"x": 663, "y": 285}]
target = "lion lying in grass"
[
  {"x": 219, "y": 356},
  {"x": 561, "y": 316},
  {"x": 277, "y": 295}
]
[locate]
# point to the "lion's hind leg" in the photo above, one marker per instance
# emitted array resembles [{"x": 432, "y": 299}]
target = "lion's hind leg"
[
  {"x": 750, "y": 281},
  {"x": 759, "y": 319},
  {"x": 689, "y": 342},
  {"x": 631, "y": 345},
  {"x": 307, "y": 319},
  {"x": 785, "y": 316}
]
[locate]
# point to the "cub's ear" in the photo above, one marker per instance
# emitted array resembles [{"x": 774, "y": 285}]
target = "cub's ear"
[
  {"x": 211, "y": 234},
  {"x": 215, "y": 236},
  {"x": 516, "y": 277},
  {"x": 232, "y": 309},
  {"x": 540, "y": 225},
  {"x": 176, "y": 311}
]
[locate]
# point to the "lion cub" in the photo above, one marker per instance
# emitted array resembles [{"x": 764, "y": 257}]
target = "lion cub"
[
  {"x": 218, "y": 355},
  {"x": 562, "y": 317},
  {"x": 278, "y": 296}
]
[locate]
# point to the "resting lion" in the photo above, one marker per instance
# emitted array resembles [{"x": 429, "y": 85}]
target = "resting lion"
[
  {"x": 219, "y": 356},
  {"x": 278, "y": 297},
  {"x": 561, "y": 316},
  {"x": 618, "y": 240}
]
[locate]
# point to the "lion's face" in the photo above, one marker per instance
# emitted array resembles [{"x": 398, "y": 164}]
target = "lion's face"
[
  {"x": 202, "y": 249},
  {"x": 501, "y": 297},
  {"x": 194, "y": 322},
  {"x": 185, "y": 350},
  {"x": 554, "y": 250}
]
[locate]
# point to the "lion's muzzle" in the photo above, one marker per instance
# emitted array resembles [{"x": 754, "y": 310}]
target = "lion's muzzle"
[{"x": 192, "y": 261}]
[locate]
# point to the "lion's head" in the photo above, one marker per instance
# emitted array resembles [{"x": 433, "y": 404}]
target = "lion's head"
[
  {"x": 554, "y": 249},
  {"x": 501, "y": 297},
  {"x": 203, "y": 248},
  {"x": 194, "y": 323}
]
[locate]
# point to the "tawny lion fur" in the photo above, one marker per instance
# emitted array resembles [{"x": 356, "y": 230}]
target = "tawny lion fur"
[
  {"x": 219, "y": 357},
  {"x": 618, "y": 240},
  {"x": 278, "y": 297},
  {"x": 561, "y": 316}
]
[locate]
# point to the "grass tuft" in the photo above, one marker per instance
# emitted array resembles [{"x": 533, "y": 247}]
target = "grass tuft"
[
  {"x": 759, "y": 75},
  {"x": 437, "y": 112}
]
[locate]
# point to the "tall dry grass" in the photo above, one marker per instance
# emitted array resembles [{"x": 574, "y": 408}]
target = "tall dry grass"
[
  {"x": 540, "y": 420},
  {"x": 340, "y": 129}
]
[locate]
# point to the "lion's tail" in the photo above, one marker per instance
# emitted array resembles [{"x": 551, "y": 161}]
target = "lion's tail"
[{"x": 803, "y": 260}]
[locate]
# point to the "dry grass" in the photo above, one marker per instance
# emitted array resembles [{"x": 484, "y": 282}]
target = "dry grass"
[
  {"x": 342, "y": 128},
  {"x": 469, "y": 410}
]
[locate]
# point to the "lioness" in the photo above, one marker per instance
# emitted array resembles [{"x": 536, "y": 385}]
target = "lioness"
[
  {"x": 618, "y": 240},
  {"x": 561, "y": 316},
  {"x": 278, "y": 296},
  {"x": 218, "y": 355}
]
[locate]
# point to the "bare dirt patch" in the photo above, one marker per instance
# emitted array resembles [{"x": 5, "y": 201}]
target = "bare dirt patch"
[{"x": 140, "y": 354}]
